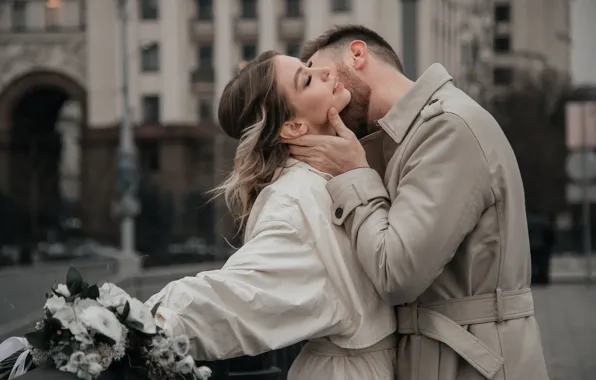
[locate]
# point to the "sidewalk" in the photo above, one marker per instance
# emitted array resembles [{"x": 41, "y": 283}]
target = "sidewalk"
[
  {"x": 572, "y": 267},
  {"x": 567, "y": 318}
]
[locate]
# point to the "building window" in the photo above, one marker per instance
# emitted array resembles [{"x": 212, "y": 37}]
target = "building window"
[
  {"x": 149, "y": 9},
  {"x": 205, "y": 110},
  {"x": 149, "y": 156},
  {"x": 502, "y": 13},
  {"x": 19, "y": 15},
  {"x": 249, "y": 51},
  {"x": 249, "y": 9},
  {"x": 293, "y": 8},
  {"x": 502, "y": 76},
  {"x": 205, "y": 57},
  {"x": 293, "y": 49},
  {"x": 151, "y": 109},
  {"x": 341, "y": 5},
  {"x": 502, "y": 45},
  {"x": 204, "y": 9},
  {"x": 150, "y": 58}
]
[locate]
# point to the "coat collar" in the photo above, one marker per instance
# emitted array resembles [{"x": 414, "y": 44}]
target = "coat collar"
[
  {"x": 294, "y": 163},
  {"x": 403, "y": 113}
]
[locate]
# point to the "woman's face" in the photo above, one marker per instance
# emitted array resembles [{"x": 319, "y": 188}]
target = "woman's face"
[{"x": 311, "y": 91}]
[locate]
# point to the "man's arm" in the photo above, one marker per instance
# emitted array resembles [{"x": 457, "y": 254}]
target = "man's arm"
[{"x": 443, "y": 189}]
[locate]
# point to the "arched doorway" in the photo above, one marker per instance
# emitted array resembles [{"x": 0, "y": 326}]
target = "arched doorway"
[{"x": 41, "y": 119}]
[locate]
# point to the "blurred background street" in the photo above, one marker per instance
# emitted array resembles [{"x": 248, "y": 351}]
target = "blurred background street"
[{"x": 109, "y": 139}]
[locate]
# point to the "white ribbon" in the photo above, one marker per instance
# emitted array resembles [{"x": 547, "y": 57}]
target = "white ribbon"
[{"x": 8, "y": 348}]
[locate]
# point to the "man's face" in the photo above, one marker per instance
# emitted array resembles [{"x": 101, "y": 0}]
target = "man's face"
[{"x": 355, "y": 114}]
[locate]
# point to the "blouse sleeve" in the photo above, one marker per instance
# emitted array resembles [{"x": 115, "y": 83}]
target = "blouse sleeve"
[{"x": 272, "y": 293}]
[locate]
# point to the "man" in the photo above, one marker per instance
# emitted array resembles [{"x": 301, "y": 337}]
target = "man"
[{"x": 435, "y": 210}]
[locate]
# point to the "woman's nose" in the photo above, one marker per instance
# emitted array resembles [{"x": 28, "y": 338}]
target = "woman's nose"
[{"x": 325, "y": 73}]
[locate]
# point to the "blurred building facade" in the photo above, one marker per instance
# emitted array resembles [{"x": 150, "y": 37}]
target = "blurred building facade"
[
  {"x": 583, "y": 53},
  {"x": 182, "y": 53}
]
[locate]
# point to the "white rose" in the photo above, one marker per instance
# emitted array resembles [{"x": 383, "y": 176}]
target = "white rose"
[
  {"x": 65, "y": 315},
  {"x": 54, "y": 303},
  {"x": 186, "y": 365},
  {"x": 111, "y": 295},
  {"x": 63, "y": 289},
  {"x": 102, "y": 321},
  {"x": 83, "y": 303},
  {"x": 203, "y": 373}
]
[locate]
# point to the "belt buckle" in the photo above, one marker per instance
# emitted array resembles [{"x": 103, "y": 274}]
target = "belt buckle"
[{"x": 499, "y": 304}]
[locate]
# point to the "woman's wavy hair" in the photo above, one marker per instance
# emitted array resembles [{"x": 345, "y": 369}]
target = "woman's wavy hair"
[{"x": 253, "y": 110}]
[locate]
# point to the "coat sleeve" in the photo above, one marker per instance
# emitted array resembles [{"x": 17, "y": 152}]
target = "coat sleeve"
[
  {"x": 272, "y": 293},
  {"x": 444, "y": 187}
]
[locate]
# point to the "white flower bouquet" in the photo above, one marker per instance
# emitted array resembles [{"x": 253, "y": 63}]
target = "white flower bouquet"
[{"x": 86, "y": 330}]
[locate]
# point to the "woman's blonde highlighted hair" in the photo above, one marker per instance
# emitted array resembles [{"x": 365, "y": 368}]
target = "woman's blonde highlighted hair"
[{"x": 252, "y": 109}]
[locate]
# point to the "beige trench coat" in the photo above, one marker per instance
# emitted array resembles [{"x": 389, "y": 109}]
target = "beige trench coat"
[
  {"x": 294, "y": 279},
  {"x": 444, "y": 235}
]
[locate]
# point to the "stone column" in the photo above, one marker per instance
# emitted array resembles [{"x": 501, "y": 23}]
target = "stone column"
[
  {"x": 268, "y": 25},
  {"x": 224, "y": 43},
  {"x": 174, "y": 59},
  {"x": 316, "y": 16},
  {"x": 69, "y": 124},
  {"x": 103, "y": 71}
]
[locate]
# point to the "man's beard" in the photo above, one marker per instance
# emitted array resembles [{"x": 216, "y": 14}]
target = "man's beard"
[{"x": 355, "y": 114}]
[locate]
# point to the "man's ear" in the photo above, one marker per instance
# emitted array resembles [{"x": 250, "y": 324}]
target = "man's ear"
[
  {"x": 358, "y": 54},
  {"x": 293, "y": 129}
]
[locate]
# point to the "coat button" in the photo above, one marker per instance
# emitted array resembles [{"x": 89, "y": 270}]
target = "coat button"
[{"x": 339, "y": 212}]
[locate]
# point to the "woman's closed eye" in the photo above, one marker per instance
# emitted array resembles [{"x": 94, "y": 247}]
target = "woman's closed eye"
[{"x": 309, "y": 78}]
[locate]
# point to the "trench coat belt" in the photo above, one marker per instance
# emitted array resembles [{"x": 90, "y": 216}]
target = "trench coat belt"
[
  {"x": 443, "y": 321},
  {"x": 324, "y": 347}
]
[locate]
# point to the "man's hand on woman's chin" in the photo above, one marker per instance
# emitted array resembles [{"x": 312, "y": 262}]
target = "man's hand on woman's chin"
[{"x": 330, "y": 154}]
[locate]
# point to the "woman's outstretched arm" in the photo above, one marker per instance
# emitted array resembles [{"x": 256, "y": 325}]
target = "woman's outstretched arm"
[{"x": 272, "y": 293}]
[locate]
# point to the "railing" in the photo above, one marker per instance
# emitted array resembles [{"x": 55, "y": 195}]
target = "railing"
[{"x": 39, "y": 16}]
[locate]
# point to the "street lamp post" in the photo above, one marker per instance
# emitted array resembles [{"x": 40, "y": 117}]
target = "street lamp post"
[{"x": 127, "y": 206}]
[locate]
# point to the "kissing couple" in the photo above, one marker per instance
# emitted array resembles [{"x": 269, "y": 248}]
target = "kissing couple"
[{"x": 383, "y": 219}]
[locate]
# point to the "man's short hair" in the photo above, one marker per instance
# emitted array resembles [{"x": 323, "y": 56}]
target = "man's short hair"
[{"x": 341, "y": 36}]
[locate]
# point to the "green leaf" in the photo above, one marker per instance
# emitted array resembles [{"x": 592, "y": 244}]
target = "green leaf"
[
  {"x": 38, "y": 340},
  {"x": 135, "y": 325},
  {"x": 92, "y": 292},
  {"x": 57, "y": 294},
  {"x": 154, "y": 309},
  {"x": 52, "y": 325},
  {"x": 73, "y": 280},
  {"x": 67, "y": 350},
  {"x": 66, "y": 335},
  {"x": 125, "y": 312}
]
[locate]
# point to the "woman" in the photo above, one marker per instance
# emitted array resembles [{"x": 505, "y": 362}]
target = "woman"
[{"x": 295, "y": 278}]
